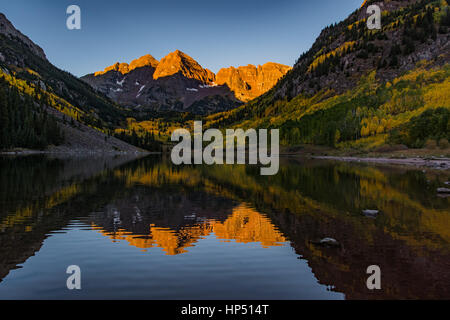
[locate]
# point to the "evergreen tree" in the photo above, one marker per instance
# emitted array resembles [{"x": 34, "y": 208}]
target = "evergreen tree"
[{"x": 24, "y": 122}]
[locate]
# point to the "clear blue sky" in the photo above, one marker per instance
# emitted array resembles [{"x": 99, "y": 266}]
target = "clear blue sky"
[{"x": 215, "y": 33}]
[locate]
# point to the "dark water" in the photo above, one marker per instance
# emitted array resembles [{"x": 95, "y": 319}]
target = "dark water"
[{"x": 148, "y": 230}]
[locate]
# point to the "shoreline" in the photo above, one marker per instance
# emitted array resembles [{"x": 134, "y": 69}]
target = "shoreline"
[
  {"x": 431, "y": 162},
  {"x": 73, "y": 152}
]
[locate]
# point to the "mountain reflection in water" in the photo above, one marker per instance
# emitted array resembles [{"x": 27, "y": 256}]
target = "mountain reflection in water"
[
  {"x": 142, "y": 228},
  {"x": 243, "y": 225}
]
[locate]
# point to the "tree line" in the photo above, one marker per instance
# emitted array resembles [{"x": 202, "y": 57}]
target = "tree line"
[
  {"x": 25, "y": 122},
  {"x": 144, "y": 140}
]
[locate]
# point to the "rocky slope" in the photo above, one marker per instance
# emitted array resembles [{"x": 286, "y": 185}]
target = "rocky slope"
[
  {"x": 348, "y": 50},
  {"x": 7, "y": 29},
  {"x": 180, "y": 83}
]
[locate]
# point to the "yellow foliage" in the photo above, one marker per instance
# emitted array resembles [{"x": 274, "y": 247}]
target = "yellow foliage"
[
  {"x": 337, "y": 51},
  {"x": 30, "y": 89}
]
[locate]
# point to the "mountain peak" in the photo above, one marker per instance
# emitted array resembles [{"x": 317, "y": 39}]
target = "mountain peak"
[
  {"x": 179, "y": 62},
  {"x": 8, "y": 29},
  {"x": 144, "y": 61},
  {"x": 124, "y": 68},
  {"x": 178, "y": 52}
]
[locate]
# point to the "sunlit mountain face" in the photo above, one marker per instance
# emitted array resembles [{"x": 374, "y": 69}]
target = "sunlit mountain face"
[
  {"x": 206, "y": 230},
  {"x": 180, "y": 83}
]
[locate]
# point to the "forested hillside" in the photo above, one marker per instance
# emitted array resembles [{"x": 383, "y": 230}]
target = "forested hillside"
[
  {"x": 25, "y": 123},
  {"x": 364, "y": 88}
]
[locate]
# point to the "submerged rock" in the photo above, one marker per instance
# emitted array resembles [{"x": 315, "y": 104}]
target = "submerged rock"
[
  {"x": 443, "y": 190},
  {"x": 371, "y": 213},
  {"x": 327, "y": 242}
]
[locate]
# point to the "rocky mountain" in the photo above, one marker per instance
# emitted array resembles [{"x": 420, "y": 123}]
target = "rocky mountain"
[
  {"x": 124, "y": 68},
  {"x": 39, "y": 102},
  {"x": 250, "y": 82},
  {"x": 361, "y": 89},
  {"x": 180, "y": 83},
  {"x": 180, "y": 63}
]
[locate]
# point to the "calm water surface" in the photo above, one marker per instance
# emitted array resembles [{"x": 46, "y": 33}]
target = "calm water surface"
[{"x": 144, "y": 229}]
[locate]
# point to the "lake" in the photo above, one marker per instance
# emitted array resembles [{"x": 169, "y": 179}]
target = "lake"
[{"x": 145, "y": 229}]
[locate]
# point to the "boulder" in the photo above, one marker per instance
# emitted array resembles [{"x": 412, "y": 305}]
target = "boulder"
[
  {"x": 443, "y": 190},
  {"x": 327, "y": 242},
  {"x": 371, "y": 213}
]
